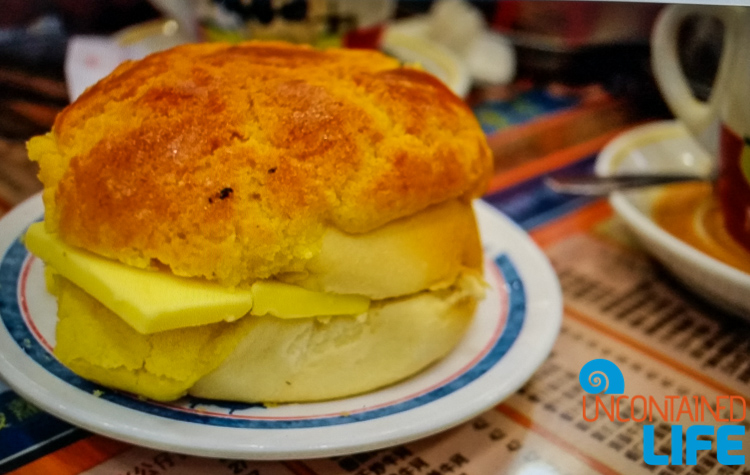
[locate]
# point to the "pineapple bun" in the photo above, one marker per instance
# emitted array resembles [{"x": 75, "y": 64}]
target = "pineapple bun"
[{"x": 260, "y": 222}]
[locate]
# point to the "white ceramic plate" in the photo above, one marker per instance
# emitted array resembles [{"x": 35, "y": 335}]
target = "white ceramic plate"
[
  {"x": 513, "y": 332},
  {"x": 666, "y": 147},
  {"x": 432, "y": 57}
]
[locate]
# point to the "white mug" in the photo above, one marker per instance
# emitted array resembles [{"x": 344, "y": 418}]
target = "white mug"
[{"x": 721, "y": 124}]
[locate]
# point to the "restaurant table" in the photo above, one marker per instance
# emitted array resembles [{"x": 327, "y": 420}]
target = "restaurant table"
[{"x": 618, "y": 304}]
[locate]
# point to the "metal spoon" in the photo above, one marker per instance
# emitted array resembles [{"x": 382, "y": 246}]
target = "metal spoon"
[{"x": 594, "y": 185}]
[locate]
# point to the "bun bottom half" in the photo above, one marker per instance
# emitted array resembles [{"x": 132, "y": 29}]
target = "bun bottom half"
[
  {"x": 316, "y": 359},
  {"x": 266, "y": 359}
]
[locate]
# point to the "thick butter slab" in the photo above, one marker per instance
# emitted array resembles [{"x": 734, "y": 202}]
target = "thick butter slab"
[
  {"x": 290, "y": 301},
  {"x": 151, "y": 301},
  {"x": 148, "y": 301}
]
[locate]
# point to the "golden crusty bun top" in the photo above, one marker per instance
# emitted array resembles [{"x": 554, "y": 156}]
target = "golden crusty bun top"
[{"x": 230, "y": 161}]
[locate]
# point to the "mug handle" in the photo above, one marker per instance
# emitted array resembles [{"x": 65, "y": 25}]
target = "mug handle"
[{"x": 697, "y": 115}]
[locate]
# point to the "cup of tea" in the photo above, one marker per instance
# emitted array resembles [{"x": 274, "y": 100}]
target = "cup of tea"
[{"x": 720, "y": 123}]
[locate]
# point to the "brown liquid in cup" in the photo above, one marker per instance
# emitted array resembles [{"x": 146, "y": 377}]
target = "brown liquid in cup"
[{"x": 691, "y": 212}]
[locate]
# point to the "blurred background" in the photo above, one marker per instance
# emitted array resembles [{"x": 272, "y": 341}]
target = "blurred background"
[{"x": 540, "y": 75}]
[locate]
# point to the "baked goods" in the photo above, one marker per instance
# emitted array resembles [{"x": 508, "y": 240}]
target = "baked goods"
[{"x": 334, "y": 173}]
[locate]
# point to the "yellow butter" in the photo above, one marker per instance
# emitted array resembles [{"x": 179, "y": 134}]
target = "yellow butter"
[
  {"x": 151, "y": 301},
  {"x": 289, "y": 301}
]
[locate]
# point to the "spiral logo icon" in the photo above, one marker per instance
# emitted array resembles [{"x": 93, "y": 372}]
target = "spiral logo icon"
[{"x": 601, "y": 375}]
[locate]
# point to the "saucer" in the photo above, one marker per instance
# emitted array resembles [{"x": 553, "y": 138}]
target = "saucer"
[{"x": 667, "y": 147}]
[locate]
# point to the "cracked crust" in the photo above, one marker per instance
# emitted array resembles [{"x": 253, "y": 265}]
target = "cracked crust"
[{"x": 230, "y": 161}]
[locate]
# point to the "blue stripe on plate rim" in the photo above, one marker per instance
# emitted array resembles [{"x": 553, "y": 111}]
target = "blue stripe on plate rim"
[{"x": 12, "y": 266}]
